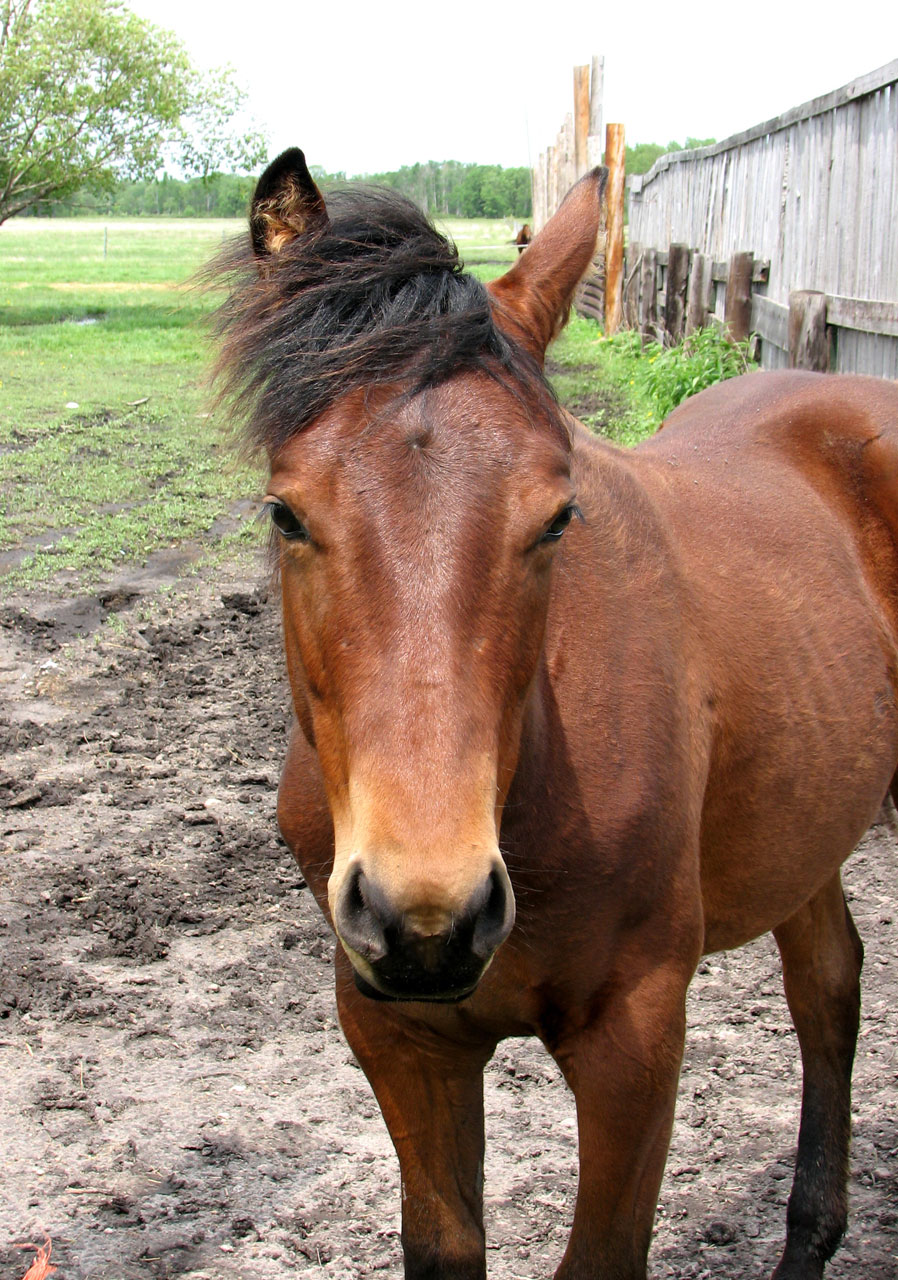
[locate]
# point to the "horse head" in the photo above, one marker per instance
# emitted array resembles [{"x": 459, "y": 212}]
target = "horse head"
[{"x": 420, "y": 488}]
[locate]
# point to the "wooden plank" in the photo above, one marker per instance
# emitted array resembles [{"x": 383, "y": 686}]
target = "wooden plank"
[
  {"x": 760, "y": 272},
  {"x": 614, "y": 224},
  {"x": 808, "y": 338},
  {"x": 675, "y": 295},
  {"x": 865, "y": 314},
  {"x": 596, "y": 94},
  {"x": 881, "y": 78},
  {"x": 552, "y": 200},
  {"x": 698, "y": 304},
  {"x": 568, "y": 173},
  {"x": 737, "y": 313},
  {"x": 648, "y": 295},
  {"x": 771, "y": 320},
  {"x": 632, "y": 269},
  {"x": 581, "y": 119}
]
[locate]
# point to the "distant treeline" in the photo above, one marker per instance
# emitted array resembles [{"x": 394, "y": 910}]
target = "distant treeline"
[
  {"x": 450, "y": 188},
  {"x": 447, "y": 188},
  {"x": 221, "y": 195},
  {"x": 639, "y": 159},
  {"x": 454, "y": 189}
]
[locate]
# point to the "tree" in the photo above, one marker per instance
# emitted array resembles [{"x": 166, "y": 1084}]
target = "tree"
[
  {"x": 210, "y": 142},
  {"x": 90, "y": 93}
]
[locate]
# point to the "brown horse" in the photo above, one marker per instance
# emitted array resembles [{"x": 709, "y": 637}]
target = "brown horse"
[{"x": 567, "y": 717}]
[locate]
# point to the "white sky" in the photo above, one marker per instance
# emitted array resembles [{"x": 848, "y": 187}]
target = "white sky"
[{"x": 369, "y": 87}]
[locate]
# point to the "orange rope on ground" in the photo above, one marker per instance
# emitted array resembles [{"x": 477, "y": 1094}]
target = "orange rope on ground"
[{"x": 40, "y": 1267}]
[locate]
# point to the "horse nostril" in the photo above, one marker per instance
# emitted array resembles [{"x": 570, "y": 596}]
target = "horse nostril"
[
  {"x": 359, "y": 924},
  {"x": 493, "y": 919}
]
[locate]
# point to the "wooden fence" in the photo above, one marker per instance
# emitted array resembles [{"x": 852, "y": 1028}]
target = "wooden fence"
[
  {"x": 577, "y": 148},
  {"x": 791, "y": 226}
]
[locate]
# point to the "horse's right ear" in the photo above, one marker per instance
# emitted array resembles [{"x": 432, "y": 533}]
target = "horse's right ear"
[
  {"x": 532, "y": 300},
  {"x": 286, "y": 204}
]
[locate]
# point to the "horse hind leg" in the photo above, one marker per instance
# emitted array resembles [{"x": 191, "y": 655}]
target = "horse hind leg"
[{"x": 822, "y": 957}]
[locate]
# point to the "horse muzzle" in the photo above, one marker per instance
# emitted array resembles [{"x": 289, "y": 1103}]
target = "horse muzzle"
[{"x": 426, "y": 952}]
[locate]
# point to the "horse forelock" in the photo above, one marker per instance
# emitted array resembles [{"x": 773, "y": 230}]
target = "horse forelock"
[{"x": 376, "y": 296}]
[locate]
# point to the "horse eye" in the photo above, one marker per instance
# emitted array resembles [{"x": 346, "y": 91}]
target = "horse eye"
[
  {"x": 560, "y": 523},
  {"x": 284, "y": 520}
]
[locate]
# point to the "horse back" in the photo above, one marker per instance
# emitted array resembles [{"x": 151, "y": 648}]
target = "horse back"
[
  {"x": 772, "y": 501},
  {"x": 838, "y": 435}
]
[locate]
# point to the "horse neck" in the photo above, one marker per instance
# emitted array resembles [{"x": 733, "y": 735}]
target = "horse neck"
[{"x": 613, "y": 572}]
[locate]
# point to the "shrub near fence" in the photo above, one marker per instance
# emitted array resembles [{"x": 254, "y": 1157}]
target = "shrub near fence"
[{"x": 788, "y": 229}]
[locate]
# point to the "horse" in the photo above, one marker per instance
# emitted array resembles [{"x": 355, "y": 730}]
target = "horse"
[
  {"x": 523, "y": 238},
  {"x": 567, "y": 716}
]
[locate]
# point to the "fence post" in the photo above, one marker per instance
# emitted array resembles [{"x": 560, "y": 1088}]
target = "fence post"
[
  {"x": 648, "y": 295},
  {"x": 614, "y": 232},
  {"x": 595, "y": 111},
  {"x": 675, "y": 304},
  {"x": 698, "y": 297},
  {"x": 551, "y": 181},
  {"x": 632, "y": 268},
  {"x": 737, "y": 309},
  {"x": 808, "y": 336},
  {"x": 581, "y": 119}
]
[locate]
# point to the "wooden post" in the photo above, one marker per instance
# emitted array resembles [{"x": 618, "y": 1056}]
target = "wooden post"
[
  {"x": 536, "y": 183},
  {"x": 596, "y": 90},
  {"x": 698, "y": 296},
  {"x": 547, "y": 187},
  {"x": 648, "y": 295},
  {"x": 567, "y": 168},
  {"x": 581, "y": 119},
  {"x": 614, "y": 243},
  {"x": 808, "y": 336},
  {"x": 675, "y": 304},
  {"x": 551, "y": 181},
  {"x": 632, "y": 270},
  {"x": 737, "y": 309}
]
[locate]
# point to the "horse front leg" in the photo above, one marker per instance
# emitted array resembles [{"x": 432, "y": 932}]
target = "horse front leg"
[
  {"x": 822, "y": 957},
  {"x": 623, "y": 1069},
  {"x": 430, "y": 1090}
]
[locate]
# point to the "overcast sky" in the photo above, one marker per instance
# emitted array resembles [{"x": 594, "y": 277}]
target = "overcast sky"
[{"x": 369, "y": 87}]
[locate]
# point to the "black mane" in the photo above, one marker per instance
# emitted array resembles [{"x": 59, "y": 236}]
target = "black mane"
[{"x": 377, "y": 296}]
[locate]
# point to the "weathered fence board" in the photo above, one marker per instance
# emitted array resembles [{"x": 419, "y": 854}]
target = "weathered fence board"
[{"x": 815, "y": 193}]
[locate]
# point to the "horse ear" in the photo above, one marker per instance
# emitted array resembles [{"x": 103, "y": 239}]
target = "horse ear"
[
  {"x": 532, "y": 299},
  {"x": 286, "y": 204}
]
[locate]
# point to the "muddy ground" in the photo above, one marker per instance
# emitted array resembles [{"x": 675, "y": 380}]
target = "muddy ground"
[{"x": 176, "y": 1096}]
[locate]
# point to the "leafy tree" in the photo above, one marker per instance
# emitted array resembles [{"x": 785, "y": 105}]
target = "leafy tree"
[
  {"x": 641, "y": 157},
  {"x": 209, "y": 145},
  {"x": 91, "y": 93}
]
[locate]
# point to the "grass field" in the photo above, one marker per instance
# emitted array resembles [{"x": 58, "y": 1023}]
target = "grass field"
[
  {"x": 105, "y": 454},
  {"x": 107, "y": 448}
]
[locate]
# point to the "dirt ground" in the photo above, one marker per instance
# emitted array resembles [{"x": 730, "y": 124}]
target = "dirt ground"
[{"x": 177, "y": 1099}]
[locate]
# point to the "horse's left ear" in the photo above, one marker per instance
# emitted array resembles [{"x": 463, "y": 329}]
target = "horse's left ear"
[
  {"x": 533, "y": 298},
  {"x": 286, "y": 204}
]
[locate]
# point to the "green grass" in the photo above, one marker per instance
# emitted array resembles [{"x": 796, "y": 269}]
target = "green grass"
[
  {"x": 635, "y": 387},
  {"x": 107, "y": 452},
  {"x": 107, "y": 449},
  {"x": 598, "y": 380}
]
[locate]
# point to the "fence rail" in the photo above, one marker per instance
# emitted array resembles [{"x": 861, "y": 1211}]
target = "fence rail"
[{"x": 813, "y": 194}]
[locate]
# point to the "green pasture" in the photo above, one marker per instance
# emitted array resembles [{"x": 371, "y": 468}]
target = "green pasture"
[{"x": 108, "y": 450}]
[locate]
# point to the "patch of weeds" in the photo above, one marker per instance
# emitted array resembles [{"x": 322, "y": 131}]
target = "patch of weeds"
[
  {"x": 671, "y": 375},
  {"x": 623, "y": 390},
  {"x": 595, "y": 379}
]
